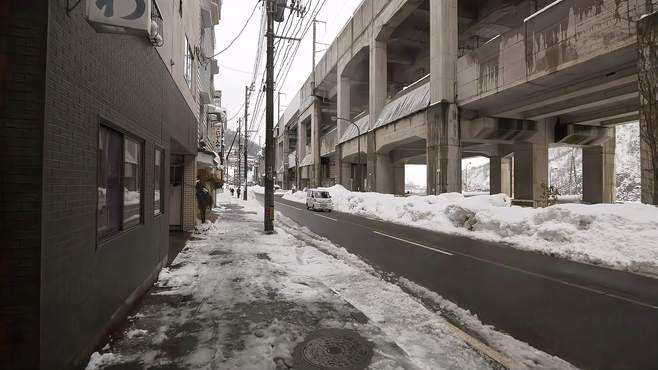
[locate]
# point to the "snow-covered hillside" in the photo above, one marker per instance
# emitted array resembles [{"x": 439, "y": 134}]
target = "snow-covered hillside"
[{"x": 566, "y": 168}]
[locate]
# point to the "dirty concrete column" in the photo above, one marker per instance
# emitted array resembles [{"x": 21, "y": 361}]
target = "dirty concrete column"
[
  {"x": 444, "y": 150},
  {"x": 344, "y": 108},
  {"x": 500, "y": 169},
  {"x": 647, "y": 33},
  {"x": 316, "y": 176},
  {"x": 398, "y": 174},
  {"x": 378, "y": 87},
  {"x": 301, "y": 151},
  {"x": 385, "y": 179},
  {"x": 599, "y": 182},
  {"x": 371, "y": 162},
  {"x": 443, "y": 49},
  {"x": 530, "y": 172},
  {"x": 343, "y": 168},
  {"x": 378, "y": 80}
]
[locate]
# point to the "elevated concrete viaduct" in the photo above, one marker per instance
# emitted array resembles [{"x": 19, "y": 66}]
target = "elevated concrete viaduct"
[{"x": 434, "y": 81}]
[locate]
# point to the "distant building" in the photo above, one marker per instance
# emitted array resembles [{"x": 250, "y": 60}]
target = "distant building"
[{"x": 102, "y": 112}]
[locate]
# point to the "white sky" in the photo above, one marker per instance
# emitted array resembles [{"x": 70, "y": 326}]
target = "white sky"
[{"x": 236, "y": 64}]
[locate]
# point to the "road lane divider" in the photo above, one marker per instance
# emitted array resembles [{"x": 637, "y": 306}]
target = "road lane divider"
[
  {"x": 414, "y": 243},
  {"x": 327, "y": 217}
]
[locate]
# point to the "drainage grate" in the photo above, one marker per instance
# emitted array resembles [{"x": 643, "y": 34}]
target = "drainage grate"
[{"x": 333, "y": 349}]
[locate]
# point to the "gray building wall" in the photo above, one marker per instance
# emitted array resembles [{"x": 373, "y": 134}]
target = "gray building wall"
[
  {"x": 61, "y": 289},
  {"x": 22, "y": 65}
]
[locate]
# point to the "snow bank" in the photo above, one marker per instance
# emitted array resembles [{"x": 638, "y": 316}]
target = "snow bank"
[{"x": 622, "y": 236}]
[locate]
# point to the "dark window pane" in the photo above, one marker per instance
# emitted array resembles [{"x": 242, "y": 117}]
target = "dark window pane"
[
  {"x": 132, "y": 183},
  {"x": 158, "y": 183},
  {"x": 109, "y": 182}
]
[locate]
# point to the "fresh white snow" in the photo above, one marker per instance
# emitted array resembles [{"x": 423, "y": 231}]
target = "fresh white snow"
[
  {"x": 621, "y": 236},
  {"x": 237, "y": 299}
]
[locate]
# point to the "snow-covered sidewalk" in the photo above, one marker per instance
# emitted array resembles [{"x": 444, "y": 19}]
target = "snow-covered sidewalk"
[
  {"x": 620, "y": 236},
  {"x": 237, "y": 299}
]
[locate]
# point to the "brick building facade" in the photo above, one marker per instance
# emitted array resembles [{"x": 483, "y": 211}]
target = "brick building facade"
[{"x": 64, "y": 89}]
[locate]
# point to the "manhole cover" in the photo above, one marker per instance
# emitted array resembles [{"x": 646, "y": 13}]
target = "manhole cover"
[{"x": 333, "y": 349}]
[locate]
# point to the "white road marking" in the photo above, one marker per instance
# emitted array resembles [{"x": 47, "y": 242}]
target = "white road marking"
[
  {"x": 323, "y": 216},
  {"x": 286, "y": 205},
  {"x": 414, "y": 243}
]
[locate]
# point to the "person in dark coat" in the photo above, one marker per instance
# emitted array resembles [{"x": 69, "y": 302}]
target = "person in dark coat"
[
  {"x": 204, "y": 200},
  {"x": 238, "y": 191},
  {"x": 232, "y": 191}
]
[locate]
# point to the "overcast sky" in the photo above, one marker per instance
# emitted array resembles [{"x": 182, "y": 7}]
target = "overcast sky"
[{"x": 236, "y": 64}]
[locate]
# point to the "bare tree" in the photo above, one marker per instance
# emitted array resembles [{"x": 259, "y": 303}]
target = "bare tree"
[{"x": 648, "y": 87}]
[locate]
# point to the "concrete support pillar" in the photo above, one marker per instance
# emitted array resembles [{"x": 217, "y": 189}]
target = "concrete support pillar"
[
  {"x": 316, "y": 176},
  {"x": 371, "y": 163},
  {"x": 343, "y": 169},
  {"x": 378, "y": 80},
  {"x": 398, "y": 174},
  {"x": 647, "y": 33},
  {"x": 500, "y": 169},
  {"x": 530, "y": 172},
  {"x": 344, "y": 104},
  {"x": 443, "y": 49},
  {"x": 599, "y": 182},
  {"x": 385, "y": 178},
  {"x": 444, "y": 151}
]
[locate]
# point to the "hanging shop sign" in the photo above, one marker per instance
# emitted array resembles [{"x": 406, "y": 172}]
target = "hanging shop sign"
[{"x": 120, "y": 16}]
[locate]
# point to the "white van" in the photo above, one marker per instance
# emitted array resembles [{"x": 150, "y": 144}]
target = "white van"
[{"x": 319, "y": 200}]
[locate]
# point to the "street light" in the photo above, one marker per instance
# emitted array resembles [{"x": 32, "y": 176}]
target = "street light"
[{"x": 358, "y": 146}]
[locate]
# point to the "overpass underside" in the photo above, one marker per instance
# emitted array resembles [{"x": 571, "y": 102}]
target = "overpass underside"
[{"x": 434, "y": 81}]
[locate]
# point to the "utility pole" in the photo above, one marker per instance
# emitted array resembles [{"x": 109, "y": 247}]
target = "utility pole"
[
  {"x": 238, "y": 154},
  {"x": 246, "y": 138},
  {"x": 269, "y": 121}
]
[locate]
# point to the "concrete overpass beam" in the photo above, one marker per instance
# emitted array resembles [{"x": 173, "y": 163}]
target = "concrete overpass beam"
[
  {"x": 647, "y": 33},
  {"x": 443, "y": 49},
  {"x": 500, "y": 169},
  {"x": 599, "y": 184},
  {"x": 444, "y": 150}
]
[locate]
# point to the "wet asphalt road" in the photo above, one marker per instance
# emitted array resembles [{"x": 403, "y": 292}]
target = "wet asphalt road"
[{"x": 593, "y": 317}]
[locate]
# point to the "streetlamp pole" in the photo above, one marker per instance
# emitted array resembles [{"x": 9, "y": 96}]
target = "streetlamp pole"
[{"x": 358, "y": 148}]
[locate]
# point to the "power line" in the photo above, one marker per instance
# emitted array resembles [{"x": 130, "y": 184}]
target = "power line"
[
  {"x": 241, "y": 31},
  {"x": 288, "y": 65}
]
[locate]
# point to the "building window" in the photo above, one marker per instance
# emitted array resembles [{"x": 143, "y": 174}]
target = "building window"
[
  {"x": 189, "y": 60},
  {"x": 132, "y": 183},
  {"x": 110, "y": 197},
  {"x": 120, "y": 182},
  {"x": 158, "y": 183}
]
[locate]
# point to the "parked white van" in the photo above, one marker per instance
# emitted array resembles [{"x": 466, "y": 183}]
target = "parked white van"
[{"x": 319, "y": 200}]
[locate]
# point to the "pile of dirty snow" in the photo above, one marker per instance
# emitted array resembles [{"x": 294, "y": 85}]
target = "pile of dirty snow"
[{"x": 622, "y": 236}]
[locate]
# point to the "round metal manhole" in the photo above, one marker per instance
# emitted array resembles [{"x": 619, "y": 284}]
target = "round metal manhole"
[{"x": 333, "y": 349}]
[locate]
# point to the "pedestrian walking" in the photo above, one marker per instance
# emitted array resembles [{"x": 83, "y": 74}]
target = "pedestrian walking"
[
  {"x": 204, "y": 200},
  {"x": 232, "y": 191},
  {"x": 238, "y": 191}
]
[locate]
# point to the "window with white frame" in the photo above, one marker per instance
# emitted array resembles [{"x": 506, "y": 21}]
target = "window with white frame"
[{"x": 189, "y": 61}]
